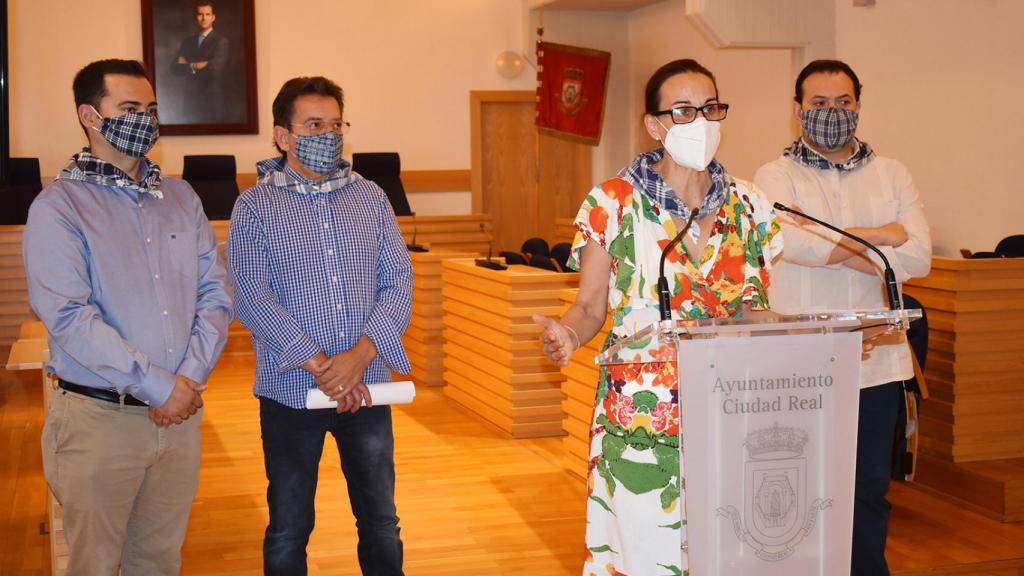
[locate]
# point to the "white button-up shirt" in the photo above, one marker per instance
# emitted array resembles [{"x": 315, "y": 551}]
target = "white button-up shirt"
[{"x": 876, "y": 193}]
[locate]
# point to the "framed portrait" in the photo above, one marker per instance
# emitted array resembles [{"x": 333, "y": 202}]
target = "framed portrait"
[{"x": 202, "y": 59}]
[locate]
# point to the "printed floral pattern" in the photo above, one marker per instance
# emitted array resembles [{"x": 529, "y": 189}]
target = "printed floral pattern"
[{"x": 635, "y": 522}]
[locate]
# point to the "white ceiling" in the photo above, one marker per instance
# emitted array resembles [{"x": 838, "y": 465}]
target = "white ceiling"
[{"x": 604, "y": 5}]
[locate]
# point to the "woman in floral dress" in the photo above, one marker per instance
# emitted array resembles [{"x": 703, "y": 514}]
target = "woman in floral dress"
[{"x": 636, "y": 502}]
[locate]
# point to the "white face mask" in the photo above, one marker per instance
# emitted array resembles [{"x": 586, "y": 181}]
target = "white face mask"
[{"x": 692, "y": 145}]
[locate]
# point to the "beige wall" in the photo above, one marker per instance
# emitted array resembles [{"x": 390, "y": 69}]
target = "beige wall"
[
  {"x": 754, "y": 82},
  {"x": 407, "y": 68},
  {"x": 943, "y": 80}
]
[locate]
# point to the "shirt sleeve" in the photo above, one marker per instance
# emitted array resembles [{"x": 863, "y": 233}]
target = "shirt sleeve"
[
  {"x": 57, "y": 268},
  {"x": 913, "y": 258},
  {"x": 765, "y": 240},
  {"x": 213, "y": 305},
  {"x": 255, "y": 302},
  {"x": 805, "y": 245},
  {"x": 598, "y": 218},
  {"x": 766, "y": 222},
  {"x": 392, "y": 306}
]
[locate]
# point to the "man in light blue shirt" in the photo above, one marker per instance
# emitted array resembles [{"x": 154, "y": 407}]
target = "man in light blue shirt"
[
  {"x": 122, "y": 269},
  {"x": 325, "y": 284}
]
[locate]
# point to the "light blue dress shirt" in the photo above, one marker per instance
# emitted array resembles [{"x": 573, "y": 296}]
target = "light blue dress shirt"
[{"x": 128, "y": 285}]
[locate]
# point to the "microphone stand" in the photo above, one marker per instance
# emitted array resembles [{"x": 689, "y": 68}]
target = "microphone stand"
[
  {"x": 664, "y": 296},
  {"x": 892, "y": 290},
  {"x": 487, "y": 262},
  {"x": 413, "y": 246}
]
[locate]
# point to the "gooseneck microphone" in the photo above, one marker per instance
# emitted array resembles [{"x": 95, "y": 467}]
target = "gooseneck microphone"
[
  {"x": 664, "y": 296},
  {"x": 892, "y": 290},
  {"x": 413, "y": 246},
  {"x": 487, "y": 262}
]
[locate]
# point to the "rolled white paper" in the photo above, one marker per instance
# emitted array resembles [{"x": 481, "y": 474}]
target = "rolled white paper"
[{"x": 384, "y": 393}]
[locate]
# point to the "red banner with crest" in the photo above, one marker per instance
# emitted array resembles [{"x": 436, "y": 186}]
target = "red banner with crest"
[{"x": 571, "y": 87}]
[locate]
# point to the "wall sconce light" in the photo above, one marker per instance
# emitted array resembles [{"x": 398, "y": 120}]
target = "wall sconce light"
[{"x": 509, "y": 64}]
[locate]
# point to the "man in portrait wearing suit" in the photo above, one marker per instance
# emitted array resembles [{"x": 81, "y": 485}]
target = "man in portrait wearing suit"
[{"x": 201, "y": 59}]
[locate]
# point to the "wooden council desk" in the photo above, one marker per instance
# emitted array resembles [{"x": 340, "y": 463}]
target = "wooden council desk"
[
  {"x": 423, "y": 340},
  {"x": 580, "y": 388},
  {"x": 492, "y": 357},
  {"x": 972, "y": 427},
  {"x": 30, "y": 352}
]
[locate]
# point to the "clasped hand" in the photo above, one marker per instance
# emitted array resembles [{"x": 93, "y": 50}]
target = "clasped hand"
[
  {"x": 340, "y": 377},
  {"x": 185, "y": 399}
]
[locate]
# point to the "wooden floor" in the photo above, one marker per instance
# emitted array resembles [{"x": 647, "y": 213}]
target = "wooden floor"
[{"x": 472, "y": 501}]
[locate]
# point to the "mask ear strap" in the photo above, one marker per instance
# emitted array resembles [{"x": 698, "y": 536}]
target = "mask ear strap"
[{"x": 98, "y": 115}]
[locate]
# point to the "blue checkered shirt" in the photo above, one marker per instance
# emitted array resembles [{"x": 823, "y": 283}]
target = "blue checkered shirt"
[{"x": 316, "y": 266}]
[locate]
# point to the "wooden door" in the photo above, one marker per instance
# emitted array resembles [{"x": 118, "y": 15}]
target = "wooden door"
[{"x": 523, "y": 197}]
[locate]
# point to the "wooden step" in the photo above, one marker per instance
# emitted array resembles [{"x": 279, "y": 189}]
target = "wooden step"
[{"x": 994, "y": 487}]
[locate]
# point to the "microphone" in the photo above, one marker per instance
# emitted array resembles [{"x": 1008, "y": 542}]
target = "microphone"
[
  {"x": 413, "y": 246},
  {"x": 487, "y": 262},
  {"x": 664, "y": 296},
  {"x": 892, "y": 290}
]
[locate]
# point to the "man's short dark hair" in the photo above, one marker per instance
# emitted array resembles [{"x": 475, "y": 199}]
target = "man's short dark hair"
[
  {"x": 828, "y": 67},
  {"x": 205, "y": 3},
  {"x": 284, "y": 103},
  {"x": 90, "y": 84},
  {"x": 652, "y": 94}
]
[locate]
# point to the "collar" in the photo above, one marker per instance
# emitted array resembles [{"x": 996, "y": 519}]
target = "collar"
[
  {"x": 641, "y": 175},
  {"x": 276, "y": 172},
  {"x": 86, "y": 167},
  {"x": 804, "y": 155}
]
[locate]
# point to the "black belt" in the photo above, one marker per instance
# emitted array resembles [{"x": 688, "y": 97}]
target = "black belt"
[{"x": 100, "y": 394}]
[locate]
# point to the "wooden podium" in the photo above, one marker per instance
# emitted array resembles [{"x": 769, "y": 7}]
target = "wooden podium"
[
  {"x": 423, "y": 341},
  {"x": 493, "y": 364},
  {"x": 972, "y": 433}
]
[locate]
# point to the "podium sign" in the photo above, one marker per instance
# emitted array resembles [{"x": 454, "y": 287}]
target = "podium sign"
[
  {"x": 769, "y": 435},
  {"x": 770, "y": 443}
]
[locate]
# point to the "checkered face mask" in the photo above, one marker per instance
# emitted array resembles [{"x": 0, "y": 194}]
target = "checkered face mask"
[
  {"x": 133, "y": 134},
  {"x": 320, "y": 153},
  {"x": 829, "y": 128}
]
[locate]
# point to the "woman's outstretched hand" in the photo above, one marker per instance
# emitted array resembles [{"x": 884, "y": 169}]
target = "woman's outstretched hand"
[{"x": 557, "y": 341}]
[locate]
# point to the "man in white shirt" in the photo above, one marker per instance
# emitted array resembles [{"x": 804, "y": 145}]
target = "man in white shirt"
[{"x": 830, "y": 174}]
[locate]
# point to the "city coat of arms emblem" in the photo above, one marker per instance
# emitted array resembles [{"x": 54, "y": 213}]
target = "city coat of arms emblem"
[{"x": 776, "y": 513}]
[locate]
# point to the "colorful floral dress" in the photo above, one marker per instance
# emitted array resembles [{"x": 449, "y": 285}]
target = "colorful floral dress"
[{"x": 635, "y": 520}]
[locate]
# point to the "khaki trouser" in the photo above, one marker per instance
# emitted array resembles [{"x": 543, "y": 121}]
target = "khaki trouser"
[{"x": 126, "y": 486}]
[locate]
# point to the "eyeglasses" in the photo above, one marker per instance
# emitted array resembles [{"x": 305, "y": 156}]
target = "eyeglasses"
[
  {"x": 686, "y": 114},
  {"x": 316, "y": 127}
]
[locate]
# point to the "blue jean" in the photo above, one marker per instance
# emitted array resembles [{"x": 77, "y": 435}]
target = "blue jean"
[
  {"x": 876, "y": 427},
  {"x": 293, "y": 441}
]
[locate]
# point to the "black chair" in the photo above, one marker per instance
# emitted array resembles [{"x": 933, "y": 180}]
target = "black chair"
[
  {"x": 213, "y": 179},
  {"x": 1011, "y": 246},
  {"x": 23, "y": 185},
  {"x": 512, "y": 257},
  {"x": 535, "y": 247},
  {"x": 384, "y": 169},
  {"x": 560, "y": 254},
  {"x": 543, "y": 262}
]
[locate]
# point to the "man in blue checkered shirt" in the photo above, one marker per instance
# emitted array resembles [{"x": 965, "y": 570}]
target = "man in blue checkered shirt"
[{"x": 324, "y": 283}]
